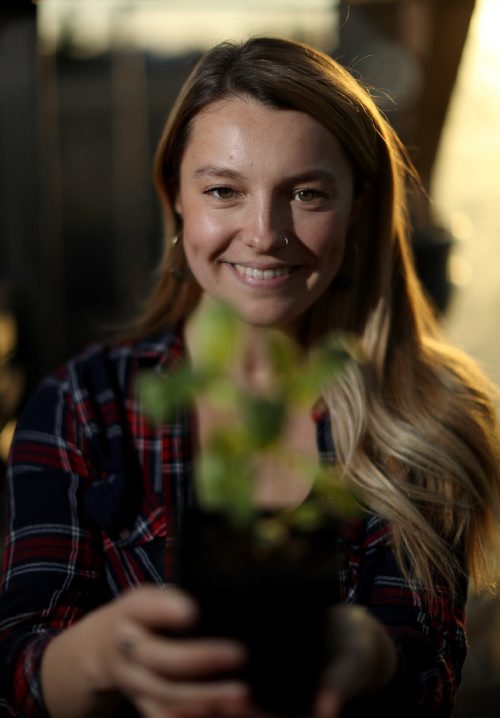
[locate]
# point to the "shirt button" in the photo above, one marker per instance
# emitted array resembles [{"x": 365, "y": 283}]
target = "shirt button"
[{"x": 124, "y": 534}]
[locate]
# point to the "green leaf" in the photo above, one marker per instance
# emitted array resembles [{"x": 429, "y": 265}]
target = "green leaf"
[
  {"x": 324, "y": 365},
  {"x": 263, "y": 419},
  {"x": 221, "y": 392},
  {"x": 284, "y": 356},
  {"x": 162, "y": 396},
  {"x": 224, "y": 477},
  {"x": 218, "y": 336},
  {"x": 307, "y": 516}
]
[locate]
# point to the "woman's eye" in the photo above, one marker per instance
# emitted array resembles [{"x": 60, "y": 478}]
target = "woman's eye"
[
  {"x": 307, "y": 195},
  {"x": 221, "y": 192}
]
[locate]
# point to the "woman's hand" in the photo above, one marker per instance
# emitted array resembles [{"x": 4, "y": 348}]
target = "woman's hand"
[
  {"x": 364, "y": 659},
  {"x": 133, "y": 648}
]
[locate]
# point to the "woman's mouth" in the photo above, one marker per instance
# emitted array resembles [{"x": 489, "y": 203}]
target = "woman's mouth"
[{"x": 262, "y": 274}]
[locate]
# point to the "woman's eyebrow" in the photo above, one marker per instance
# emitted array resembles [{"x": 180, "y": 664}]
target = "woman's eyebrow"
[
  {"x": 312, "y": 175},
  {"x": 215, "y": 171}
]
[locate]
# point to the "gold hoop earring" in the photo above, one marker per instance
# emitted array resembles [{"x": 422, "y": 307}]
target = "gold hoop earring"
[{"x": 181, "y": 273}]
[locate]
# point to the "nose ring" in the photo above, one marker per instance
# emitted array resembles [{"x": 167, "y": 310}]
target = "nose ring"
[{"x": 285, "y": 239}]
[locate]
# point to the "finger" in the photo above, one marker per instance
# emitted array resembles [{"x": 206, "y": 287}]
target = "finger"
[
  {"x": 363, "y": 656},
  {"x": 137, "y": 680},
  {"x": 155, "y": 607},
  {"x": 226, "y": 698},
  {"x": 181, "y": 660}
]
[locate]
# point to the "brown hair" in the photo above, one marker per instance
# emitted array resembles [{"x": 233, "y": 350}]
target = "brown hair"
[{"x": 414, "y": 428}]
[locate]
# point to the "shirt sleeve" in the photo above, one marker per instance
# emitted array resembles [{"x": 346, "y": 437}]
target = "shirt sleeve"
[
  {"x": 53, "y": 566},
  {"x": 429, "y": 632}
]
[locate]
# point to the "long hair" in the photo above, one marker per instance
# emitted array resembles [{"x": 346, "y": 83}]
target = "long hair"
[{"x": 414, "y": 426}]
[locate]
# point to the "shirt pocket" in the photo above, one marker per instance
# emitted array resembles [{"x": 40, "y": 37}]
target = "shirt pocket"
[{"x": 134, "y": 533}]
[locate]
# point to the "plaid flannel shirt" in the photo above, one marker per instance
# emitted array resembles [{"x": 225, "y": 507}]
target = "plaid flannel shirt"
[{"x": 94, "y": 496}]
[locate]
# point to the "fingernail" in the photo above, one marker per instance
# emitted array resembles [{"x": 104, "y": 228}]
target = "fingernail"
[
  {"x": 232, "y": 651},
  {"x": 181, "y": 603}
]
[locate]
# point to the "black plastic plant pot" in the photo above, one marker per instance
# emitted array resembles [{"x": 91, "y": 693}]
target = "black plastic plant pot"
[{"x": 274, "y": 600}]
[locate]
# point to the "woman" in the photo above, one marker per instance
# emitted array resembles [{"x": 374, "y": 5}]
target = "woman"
[{"x": 284, "y": 197}]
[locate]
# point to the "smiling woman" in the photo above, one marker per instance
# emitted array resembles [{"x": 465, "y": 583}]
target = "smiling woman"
[{"x": 284, "y": 194}]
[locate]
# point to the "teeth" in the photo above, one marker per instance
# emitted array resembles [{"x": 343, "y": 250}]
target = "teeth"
[{"x": 262, "y": 273}]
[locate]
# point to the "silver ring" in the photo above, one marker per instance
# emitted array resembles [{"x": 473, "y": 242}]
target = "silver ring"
[
  {"x": 126, "y": 646},
  {"x": 285, "y": 239}
]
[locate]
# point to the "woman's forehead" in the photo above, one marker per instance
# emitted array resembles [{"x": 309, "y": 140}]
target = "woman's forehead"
[{"x": 243, "y": 131}]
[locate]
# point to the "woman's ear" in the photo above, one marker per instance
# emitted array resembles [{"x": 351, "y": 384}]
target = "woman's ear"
[{"x": 178, "y": 206}]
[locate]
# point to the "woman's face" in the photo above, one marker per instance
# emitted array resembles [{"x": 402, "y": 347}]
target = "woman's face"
[{"x": 249, "y": 177}]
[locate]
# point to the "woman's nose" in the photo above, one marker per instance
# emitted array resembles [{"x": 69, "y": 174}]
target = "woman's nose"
[
  {"x": 265, "y": 243},
  {"x": 266, "y": 226}
]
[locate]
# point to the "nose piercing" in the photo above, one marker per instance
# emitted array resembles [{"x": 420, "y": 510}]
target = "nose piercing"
[{"x": 285, "y": 239}]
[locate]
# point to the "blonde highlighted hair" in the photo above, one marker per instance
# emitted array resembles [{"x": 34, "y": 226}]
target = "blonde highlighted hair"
[{"x": 415, "y": 427}]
